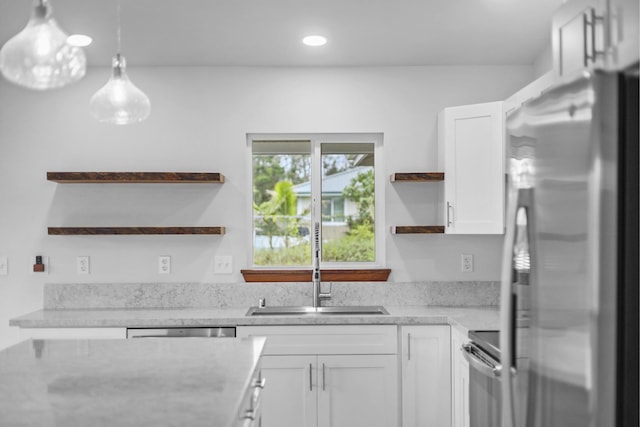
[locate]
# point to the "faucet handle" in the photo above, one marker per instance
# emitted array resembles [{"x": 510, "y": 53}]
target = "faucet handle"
[{"x": 262, "y": 302}]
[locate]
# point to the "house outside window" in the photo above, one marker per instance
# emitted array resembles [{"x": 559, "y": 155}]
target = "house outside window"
[{"x": 329, "y": 179}]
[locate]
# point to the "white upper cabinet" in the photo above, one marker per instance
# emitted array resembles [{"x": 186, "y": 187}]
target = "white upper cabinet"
[
  {"x": 589, "y": 33},
  {"x": 624, "y": 38},
  {"x": 471, "y": 153},
  {"x": 578, "y": 36}
]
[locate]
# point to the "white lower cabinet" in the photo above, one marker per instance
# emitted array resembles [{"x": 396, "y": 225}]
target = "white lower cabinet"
[
  {"x": 329, "y": 376},
  {"x": 357, "y": 390},
  {"x": 290, "y": 394},
  {"x": 426, "y": 376},
  {"x": 459, "y": 380}
]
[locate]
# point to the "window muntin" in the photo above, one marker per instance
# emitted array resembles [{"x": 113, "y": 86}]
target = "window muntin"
[{"x": 329, "y": 182}]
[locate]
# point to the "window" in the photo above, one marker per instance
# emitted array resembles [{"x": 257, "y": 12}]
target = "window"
[
  {"x": 301, "y": 180},
  {"x": 333, "y": 209}
]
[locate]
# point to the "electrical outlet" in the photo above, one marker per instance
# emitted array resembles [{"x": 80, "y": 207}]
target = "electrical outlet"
[
  {"x": 467, "y": 263},
  {"x": 4, "y": 266},
  {"x": 164, "y": 264},
  {"x": 223, "y": 264},
  {"x": 82, "y": 265}
]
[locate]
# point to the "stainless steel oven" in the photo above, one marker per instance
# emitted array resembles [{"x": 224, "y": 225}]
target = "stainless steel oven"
[{"x": 485, "y": 401}]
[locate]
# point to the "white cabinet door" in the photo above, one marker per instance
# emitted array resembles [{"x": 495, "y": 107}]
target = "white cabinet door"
[
  {"x": 289, "y": 396},
  {"x": 459, "y": 381},
  {"x": 426, "y": 376},
  {"x": 336, "y": 391},
  {"x": 357, "y": 391},
  {"x": 464, "y": 386},
  {"x": 471, "y": 153},
  {"x": 578, "y": 40},
  {"x": 623, "y": 33},
  {"x": 595, "y": 32}
]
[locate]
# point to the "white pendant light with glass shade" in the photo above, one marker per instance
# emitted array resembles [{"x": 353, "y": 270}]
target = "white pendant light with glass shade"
[
  {"x": 119, "y": 101},
  {"x": 40, "y": 57}
]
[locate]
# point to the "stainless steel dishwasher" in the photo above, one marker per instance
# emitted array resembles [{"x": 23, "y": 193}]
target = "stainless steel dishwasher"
[
  {"x": 212, "y": 332},
  {"x": 485, "y": 397}
]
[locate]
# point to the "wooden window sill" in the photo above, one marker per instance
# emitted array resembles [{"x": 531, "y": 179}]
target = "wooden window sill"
[
  {"x": 101, "y": 231},
  {"x": 136, "y": 177},
  {"x": 328, "y": 275}
]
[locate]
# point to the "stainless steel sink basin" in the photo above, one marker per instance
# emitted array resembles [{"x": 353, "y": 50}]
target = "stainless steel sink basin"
[{"x": 304, "y": 310}]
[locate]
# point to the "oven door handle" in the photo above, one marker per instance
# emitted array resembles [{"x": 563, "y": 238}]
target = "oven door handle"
[{"x": 479, "y": 365}]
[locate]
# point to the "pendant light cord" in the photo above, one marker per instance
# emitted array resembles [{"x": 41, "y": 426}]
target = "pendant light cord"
[{"x": 119, "y": 32}]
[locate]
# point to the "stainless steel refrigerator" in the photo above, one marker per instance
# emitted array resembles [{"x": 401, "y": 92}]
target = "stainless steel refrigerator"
[{"x": 569, "y": 304}]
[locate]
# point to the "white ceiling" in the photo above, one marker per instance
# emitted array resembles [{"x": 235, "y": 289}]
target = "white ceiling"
[{"x": 268, "y": 32}]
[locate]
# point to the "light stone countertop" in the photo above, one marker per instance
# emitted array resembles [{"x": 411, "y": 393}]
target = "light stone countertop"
[
  {"x": 463, "y": 318},
  {"x": 159, "y": 382}
]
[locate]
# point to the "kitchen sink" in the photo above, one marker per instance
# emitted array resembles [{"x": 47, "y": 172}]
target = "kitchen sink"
[{"x": 307, "y": 310}]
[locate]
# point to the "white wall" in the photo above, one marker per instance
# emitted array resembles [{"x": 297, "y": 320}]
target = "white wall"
[
  {"x": 543, "y": 62},
  {"x": 199, "y": 121}
]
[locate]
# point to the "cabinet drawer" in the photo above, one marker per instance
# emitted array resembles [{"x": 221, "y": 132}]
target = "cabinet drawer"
[
  {"x": 347, "y": 339},
  {"x": 250, "y": 411},
  {"x": 73, "y": 333}
]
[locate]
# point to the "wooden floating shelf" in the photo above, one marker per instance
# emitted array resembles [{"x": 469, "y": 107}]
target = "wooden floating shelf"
[
  {"x": 417, "y": 229},
  {"x": 136, "y": 177},
  {"x": 417, "y": 177},
  {"x": 305, "y": 275},
  {"x": 104, "y": 231}
]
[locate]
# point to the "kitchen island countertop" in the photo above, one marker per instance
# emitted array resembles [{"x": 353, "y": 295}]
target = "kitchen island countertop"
[
  {"x": 153, "y": 382},
  {"x": 463, "y": 318}
]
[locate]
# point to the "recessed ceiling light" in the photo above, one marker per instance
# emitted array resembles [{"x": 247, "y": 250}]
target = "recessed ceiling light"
[
  {"x": 314, "y": 40},
  {"x": 79, "y": 40}
]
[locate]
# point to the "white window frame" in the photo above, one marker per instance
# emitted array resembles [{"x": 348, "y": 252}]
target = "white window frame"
[{"x": 316, "y": 140}]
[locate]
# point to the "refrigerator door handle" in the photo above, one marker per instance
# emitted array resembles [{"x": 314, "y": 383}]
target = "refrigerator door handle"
[{"x": 507, "y": 312}]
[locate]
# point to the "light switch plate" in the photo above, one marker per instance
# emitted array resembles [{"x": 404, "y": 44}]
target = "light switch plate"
[{"x": 223, "y": 264}]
